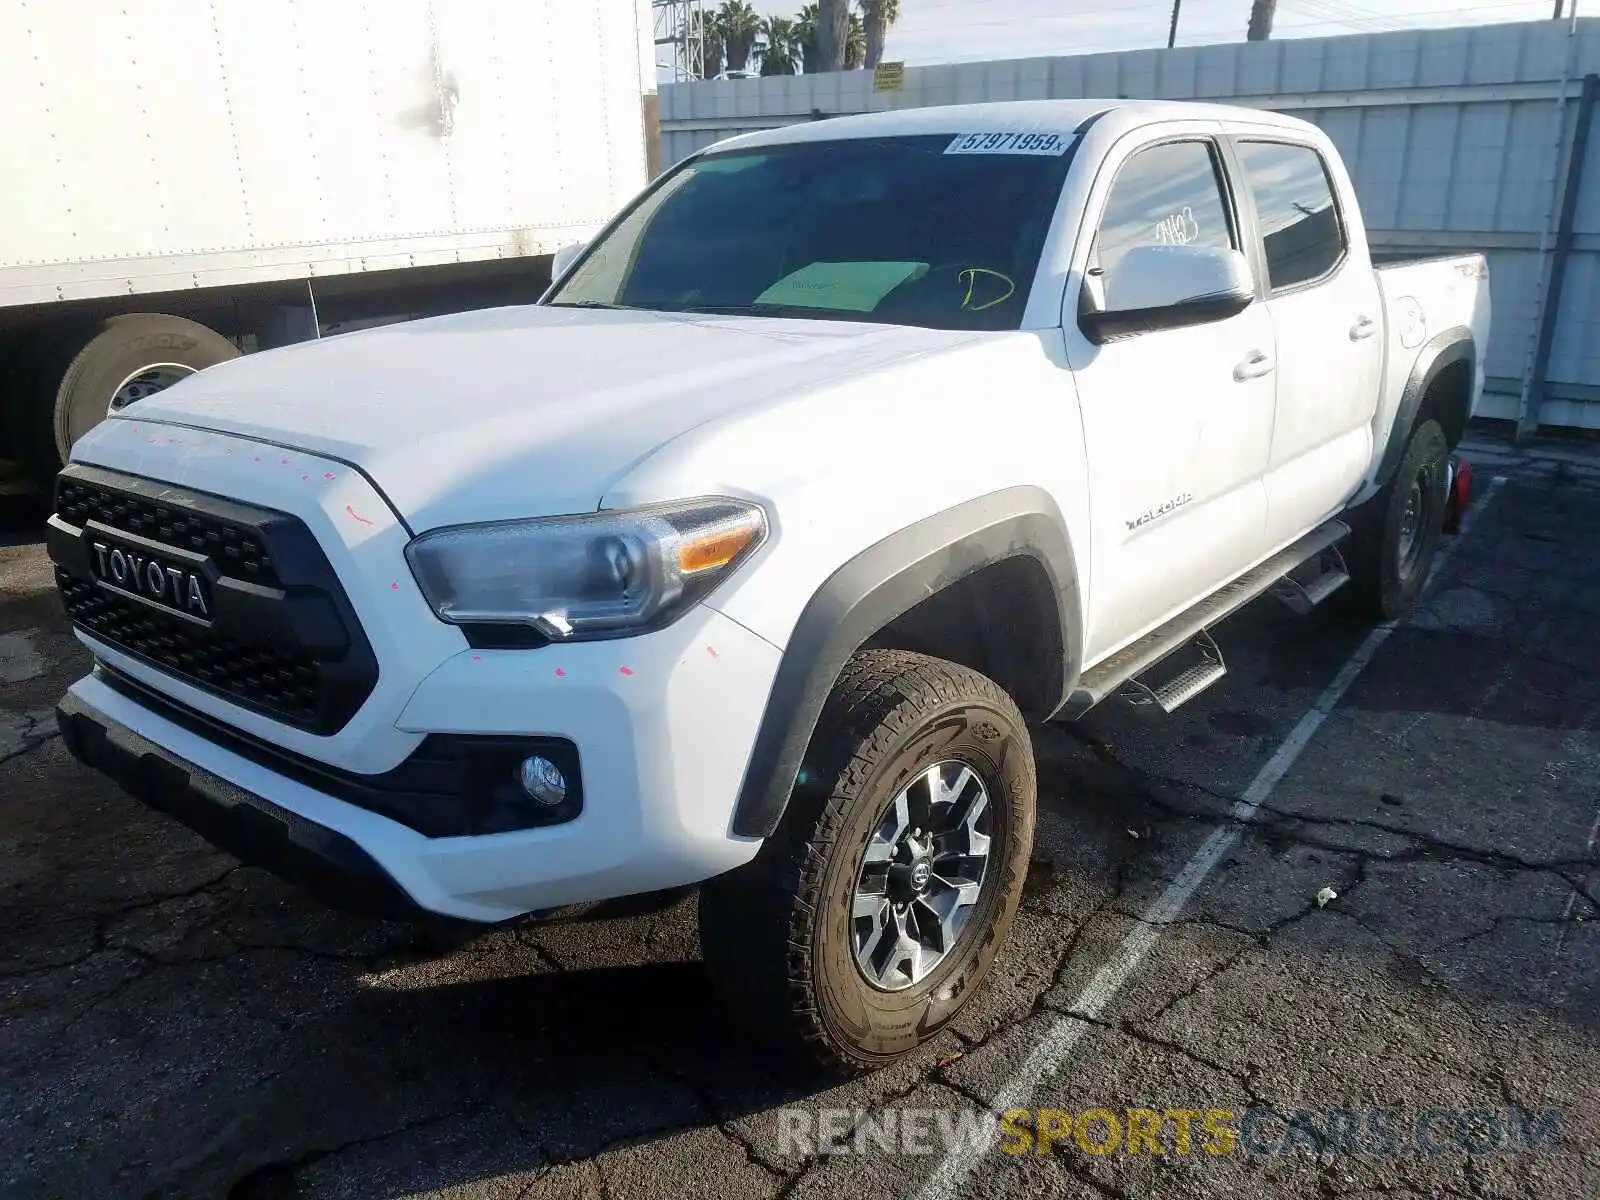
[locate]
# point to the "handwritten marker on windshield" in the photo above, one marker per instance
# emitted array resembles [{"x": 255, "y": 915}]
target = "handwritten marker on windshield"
[
  {"x": 626, "y": 670},
  {"x": 561, "y": 672},
  {"x": 711, "y": 650},
  {"x": 351, "y": 510}
]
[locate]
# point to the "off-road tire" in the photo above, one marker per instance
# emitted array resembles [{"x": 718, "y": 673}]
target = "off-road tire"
[
  {"x": 73, "y": 380},
  {"x": 777, "y": 934},
  {"x": 1384, "y": 578}
]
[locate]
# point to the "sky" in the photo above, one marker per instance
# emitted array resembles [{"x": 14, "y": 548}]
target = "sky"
[{"x": 934, "y": 31}]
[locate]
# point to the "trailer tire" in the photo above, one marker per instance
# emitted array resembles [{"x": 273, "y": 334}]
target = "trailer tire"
[{"x": 76, "y": 380}]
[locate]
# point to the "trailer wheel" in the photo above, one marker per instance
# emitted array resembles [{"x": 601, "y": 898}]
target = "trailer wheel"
[{"x": 108, "y": 366}]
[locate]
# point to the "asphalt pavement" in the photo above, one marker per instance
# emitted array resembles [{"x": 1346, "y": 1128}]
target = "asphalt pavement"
[{"x": 175, "y": 1025}]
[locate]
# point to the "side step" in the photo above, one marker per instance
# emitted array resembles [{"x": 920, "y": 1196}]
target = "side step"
[
  {"x": 1186, "y": 628},
  {"x": 1188, "y": 683},
  {"x": 1309, "y": 584}
]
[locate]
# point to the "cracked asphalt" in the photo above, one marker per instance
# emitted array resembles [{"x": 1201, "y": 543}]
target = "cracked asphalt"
[{"x": 175, "y": 1025}]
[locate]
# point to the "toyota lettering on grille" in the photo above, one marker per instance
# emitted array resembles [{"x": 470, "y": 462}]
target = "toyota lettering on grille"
[{"x": 148, "y": 577}]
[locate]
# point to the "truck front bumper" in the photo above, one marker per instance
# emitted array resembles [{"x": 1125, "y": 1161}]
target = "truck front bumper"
[
  {"x": 661, "y": 726},
  {"x": 329, "y": 865}
]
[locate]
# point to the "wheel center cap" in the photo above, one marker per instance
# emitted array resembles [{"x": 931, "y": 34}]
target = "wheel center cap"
[{"x": 921, "y": 872}]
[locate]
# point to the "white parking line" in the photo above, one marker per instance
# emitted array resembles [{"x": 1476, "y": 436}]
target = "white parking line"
[{"x": 1047, "y": 1057}]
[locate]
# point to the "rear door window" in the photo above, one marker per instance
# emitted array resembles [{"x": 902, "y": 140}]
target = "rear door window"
[{"x": 1300, "y": 225}]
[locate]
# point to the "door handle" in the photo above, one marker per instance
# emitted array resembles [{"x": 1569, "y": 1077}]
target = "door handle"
[
  {"x": 1364, "y": 328},
  {"x": 1256, "y": 364}
]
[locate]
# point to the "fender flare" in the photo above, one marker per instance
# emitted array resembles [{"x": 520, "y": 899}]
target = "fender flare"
[
  {"x": 1444, "y": 349},
  {"x": 878, "y": 585}
]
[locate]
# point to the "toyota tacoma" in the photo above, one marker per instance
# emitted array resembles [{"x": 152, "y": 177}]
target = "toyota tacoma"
[{"x": 746, "y": 557}]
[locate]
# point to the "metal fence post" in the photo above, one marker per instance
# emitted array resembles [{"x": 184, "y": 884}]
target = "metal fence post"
[{"x": 1550, "y": 305}]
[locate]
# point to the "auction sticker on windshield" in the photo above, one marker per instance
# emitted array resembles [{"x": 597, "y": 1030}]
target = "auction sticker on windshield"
[{"x": 1050, "y": 144}]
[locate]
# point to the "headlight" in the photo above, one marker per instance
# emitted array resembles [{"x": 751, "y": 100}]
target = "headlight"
[{"x": 603, "y": 575}]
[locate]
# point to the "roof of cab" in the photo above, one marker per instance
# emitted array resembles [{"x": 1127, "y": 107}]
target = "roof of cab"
[{"x": 1009, "y": 116}]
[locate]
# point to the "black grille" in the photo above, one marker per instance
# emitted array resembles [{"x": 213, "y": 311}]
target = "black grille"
[
  {"x": 281, "y": 638},
  {"x": 239, "y": 550},
  {"x": 283, "y": 682}
]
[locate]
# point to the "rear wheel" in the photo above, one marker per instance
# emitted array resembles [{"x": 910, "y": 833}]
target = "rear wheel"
[
  {"x": 1396, "y": 534},
  {"x": 871, "y": 916},
  {"x": 81, "y": 379}
]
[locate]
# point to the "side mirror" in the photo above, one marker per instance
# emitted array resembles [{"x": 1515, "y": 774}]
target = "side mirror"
[
  {"x": 1164, "y": 287},
  {"x": 564, "y": 257}
]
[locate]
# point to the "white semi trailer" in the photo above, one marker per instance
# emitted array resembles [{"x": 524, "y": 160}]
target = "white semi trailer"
[{"x": 188, "y": 180}]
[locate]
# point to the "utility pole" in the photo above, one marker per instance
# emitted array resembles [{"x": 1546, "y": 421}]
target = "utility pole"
[
  {"x": 1557, "y": 15},
  {"x": 1261, "y": 14},
  {"x": 1172, "y": 34}
]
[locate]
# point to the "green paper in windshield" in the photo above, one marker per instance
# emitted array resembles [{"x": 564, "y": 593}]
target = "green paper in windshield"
[{"x": 848, "y": 286}]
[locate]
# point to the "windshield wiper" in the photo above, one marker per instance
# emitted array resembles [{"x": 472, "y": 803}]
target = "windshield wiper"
[
  {"x": 584, "y": 304},
  {"x": 731, "y": 310},
  {"x": 769, "y": 310}
]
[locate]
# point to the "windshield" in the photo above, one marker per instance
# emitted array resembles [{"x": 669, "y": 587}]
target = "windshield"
[{"x": 905, "y": 230}]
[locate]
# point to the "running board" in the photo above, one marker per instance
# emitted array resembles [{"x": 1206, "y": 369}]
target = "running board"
[{"x": 1137, "y": 657}]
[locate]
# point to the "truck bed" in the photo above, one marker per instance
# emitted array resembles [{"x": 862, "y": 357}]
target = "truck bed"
[{"x": 1424, "y": 298}]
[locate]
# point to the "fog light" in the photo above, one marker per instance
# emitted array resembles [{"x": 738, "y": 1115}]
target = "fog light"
[{"x": 543, "y": 781}]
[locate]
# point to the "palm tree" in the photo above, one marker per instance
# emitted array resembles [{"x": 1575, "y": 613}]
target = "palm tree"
[
  {"x": 1261, "y": 14},
  {"x": 707, "y": 30},
  {"x": 739, "y": 24},
  {"x": 833, "y": 33},
  {"x": 855, "y": 44},
  {"x": 780, "y": 48},
  {"x": 878, "y": 16},
  {"x": 806, "y": 30}
]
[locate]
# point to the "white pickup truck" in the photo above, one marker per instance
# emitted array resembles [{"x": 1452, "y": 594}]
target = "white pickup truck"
[{"x": 745, "y": 557}]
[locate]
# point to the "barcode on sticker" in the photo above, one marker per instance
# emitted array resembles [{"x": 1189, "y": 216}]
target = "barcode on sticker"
[{"x": 1052, "y": 144}]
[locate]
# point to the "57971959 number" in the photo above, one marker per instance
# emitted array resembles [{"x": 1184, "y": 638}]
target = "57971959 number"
[{"x": 1051, "y": 144}]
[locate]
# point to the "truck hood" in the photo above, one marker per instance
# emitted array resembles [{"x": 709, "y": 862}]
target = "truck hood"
[{"x": 521, "y": 411}]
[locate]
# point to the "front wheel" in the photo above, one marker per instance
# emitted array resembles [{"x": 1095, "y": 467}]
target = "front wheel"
[
  {"x": 1396, "y": 533},
  {"x": 871, "y": 916}
]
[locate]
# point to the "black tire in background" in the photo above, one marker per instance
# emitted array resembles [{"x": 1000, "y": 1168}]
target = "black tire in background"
[
  {"x": 1395, "y": 535},
  {"x": 782, "y": 936},
  {"x": 74, "y": 378}
]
